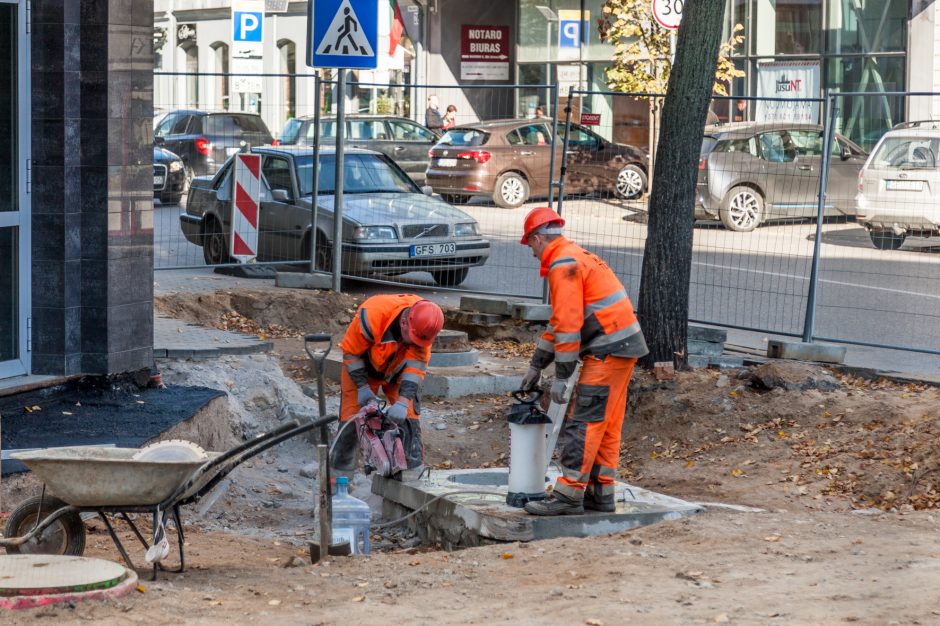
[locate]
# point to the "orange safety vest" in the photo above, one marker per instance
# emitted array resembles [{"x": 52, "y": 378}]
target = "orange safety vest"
[
  {"x": 371, "y": 350},
  {"x": 591, "y": 312}
]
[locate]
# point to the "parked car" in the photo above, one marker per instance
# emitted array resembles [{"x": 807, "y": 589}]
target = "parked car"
[
  {"x": 404, "y": 141},
  {"x": 751, "y": 172},
  {"x": 899, "y": 185},
  {"x": 206, "y": 140},
  {"x": 168, "y": 176},
  {"x": 509, "y": 160},
  {"x": 390, "y": 226}
]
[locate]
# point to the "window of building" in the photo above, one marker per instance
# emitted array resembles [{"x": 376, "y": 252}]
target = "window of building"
[
  {"x": 220, "y": 66},
  {"x": 287, "y": 55}
]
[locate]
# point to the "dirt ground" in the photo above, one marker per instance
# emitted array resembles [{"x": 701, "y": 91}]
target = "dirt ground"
[{"x": 843, "y": 471}]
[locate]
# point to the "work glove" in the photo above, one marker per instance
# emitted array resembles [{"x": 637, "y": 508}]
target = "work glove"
[
  {"x": 558, "y": 390},
  {"x": 531, "y": 379},
  {"x": 366, "y": 395},
  {"x": 398, "y": 412}
]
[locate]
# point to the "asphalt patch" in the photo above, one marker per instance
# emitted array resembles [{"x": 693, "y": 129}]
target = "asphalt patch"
[{"x": 79, "y": 415}]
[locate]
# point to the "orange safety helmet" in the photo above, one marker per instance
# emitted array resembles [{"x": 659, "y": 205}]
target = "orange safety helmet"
[
  {"x": 421, "y": 323},
  {"x": 539, "y": 216}
]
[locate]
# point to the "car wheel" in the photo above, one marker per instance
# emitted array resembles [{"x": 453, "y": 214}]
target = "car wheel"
[
  {"x": 886, "y": 239},
  {"x": 450, "y": 278},
  {"x": 631, "y": 182},
  {"x": 455, "y": 198},
  {"x": 168, "y": 200},
  {"x": 324, "y": 252},
  {"x": 742, "y": 210},
  {"x": 64, "y": 536},
  {"x": 512, "y": 191},
  {"x": 214, "y": 245}
]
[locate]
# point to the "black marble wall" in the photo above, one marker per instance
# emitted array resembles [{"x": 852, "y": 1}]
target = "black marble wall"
[{"x": 92, "y": 204}]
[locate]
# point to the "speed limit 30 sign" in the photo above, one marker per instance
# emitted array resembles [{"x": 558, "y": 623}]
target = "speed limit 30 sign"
[{"x": 668, "y": 13}]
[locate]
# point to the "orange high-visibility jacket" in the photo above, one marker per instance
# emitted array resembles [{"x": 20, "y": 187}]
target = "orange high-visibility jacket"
[
  {"x": 591, "y": 313},
  {"x": 373, "y": 347}
]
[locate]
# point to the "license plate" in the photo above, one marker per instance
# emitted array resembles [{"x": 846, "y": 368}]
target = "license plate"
[
  {"x": 904, "y": 185},
  {"x": 434, "y": 249},
  {"x": 157, "y": 181},
  {"x": 447, "y": 162},
  {"x": 231, "y": 151}
]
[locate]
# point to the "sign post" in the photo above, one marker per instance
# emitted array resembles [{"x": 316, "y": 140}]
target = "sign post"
[
  {"x": 341, "y": 34},
  {"x": 247, "y": 46},
  {"x": 246, "y": 200}
]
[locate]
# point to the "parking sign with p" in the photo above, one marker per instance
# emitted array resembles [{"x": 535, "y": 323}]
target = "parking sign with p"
[{"x": 570, "y": 25}]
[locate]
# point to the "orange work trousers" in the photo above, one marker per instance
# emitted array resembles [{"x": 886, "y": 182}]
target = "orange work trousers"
[{"x": 591, "y": 450}]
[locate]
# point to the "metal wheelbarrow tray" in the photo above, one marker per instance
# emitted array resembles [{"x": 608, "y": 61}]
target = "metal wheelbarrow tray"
[{"x": 107, "y": 481}]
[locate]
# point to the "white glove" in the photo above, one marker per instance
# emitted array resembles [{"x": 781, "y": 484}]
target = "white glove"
[
  {"x": 366, "y": 395},
  {"x": 558, "y": 390},
  {"x": 398, "y": 412},
  {"x": 531, "y": 379}
]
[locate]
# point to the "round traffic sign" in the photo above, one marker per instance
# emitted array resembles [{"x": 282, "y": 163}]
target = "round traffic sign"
[{"x": 668, "y": 12}]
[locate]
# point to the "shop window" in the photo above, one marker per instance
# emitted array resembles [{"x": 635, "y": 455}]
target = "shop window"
[{"x": 866, "y": 26}]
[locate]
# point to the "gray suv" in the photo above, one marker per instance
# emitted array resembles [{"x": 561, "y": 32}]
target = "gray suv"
[
  {"x": 753, "y": 172},
  {"x": 402, "y": 140}
]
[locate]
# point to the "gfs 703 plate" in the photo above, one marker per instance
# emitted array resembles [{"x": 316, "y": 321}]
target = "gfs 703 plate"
[
  {"x": 904, "y": 185},
  {"x": 433, "y": 249}
]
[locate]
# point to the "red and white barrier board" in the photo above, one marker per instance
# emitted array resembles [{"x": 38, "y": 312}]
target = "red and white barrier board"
[{"x": 245, "y": 204}]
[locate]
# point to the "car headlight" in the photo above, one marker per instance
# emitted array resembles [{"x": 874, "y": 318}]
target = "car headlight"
[
  {"x": 176, "y": 166},
  {"x": 466, "y": 230},
  {"x": 371, "y": 233}
]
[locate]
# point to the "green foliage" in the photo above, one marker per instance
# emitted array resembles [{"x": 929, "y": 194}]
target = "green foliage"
[
  {"x": 642, "y": 59},
  {"x": 384, "y": 105}
]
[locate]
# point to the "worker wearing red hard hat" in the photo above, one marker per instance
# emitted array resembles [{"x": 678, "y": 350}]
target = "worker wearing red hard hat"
[
  {"x": 592, "y": 319},
  {"x": 387, "y": 346}
]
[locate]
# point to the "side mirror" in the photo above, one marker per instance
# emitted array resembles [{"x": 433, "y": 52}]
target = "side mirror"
[
  {"x": 844, "y": 153},
  {"x": 159, "y": 141},
  {"x": 428, "y": 191},
  {"x": 280, "y": 195}
]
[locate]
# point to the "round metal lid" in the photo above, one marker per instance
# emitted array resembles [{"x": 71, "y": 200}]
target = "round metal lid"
[{"x": 43, "y": 574}]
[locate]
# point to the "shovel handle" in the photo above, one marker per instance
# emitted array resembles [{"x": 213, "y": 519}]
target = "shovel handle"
[{"x": 318, "y": 355}]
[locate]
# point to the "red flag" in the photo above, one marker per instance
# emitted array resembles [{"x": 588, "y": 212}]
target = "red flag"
[{"x": 398, "y": 27}]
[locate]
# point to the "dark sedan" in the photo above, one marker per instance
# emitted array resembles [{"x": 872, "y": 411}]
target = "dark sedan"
[
  {"x": 168, "y": 176},
  {"x": 390, "y": 226}
]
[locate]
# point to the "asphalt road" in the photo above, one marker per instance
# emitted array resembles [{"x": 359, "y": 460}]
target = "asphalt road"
[{"x": 758, "y": 280}]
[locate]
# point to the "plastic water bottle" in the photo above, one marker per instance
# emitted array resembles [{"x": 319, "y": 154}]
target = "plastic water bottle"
[{"x": 352, "y": 518}]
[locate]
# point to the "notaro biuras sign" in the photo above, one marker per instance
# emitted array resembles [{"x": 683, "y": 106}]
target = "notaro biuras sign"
[{"x": 484, "y": 52}]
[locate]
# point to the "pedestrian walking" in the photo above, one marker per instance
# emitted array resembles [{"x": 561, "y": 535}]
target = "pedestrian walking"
[
  {"x": 592, "y": 318},
  {"x": 450, "y": 118},
  {"x": 387, "y": 346},
  {"x": 432, "y": 115}
]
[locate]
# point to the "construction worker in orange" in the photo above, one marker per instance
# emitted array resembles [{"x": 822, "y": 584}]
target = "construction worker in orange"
[
  {"x": 387, "y": 346},
  {"x": 592, "y": 319}
]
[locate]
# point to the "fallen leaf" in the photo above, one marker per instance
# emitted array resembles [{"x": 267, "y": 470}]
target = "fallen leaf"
[
  {"x": 690, "y": 464},
  {"x": 737, "y": 472},
  {"x": 274, "y": 602},
  {"x": 506, "y": 555},
  {"x": 141, "y": 588},
  {"x": 358, "y": 598},
  {"x": 721, "y": 618},
  {"x": 594, "y": 622},
  {"x": 772, "y": 538},
  {"x": 413, "y": 563}
]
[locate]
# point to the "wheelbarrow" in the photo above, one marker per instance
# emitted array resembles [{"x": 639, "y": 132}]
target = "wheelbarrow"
[{"x": 109, "y": 482}]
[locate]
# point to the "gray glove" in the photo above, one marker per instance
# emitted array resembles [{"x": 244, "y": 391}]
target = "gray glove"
[
  {"x": 558, "y": 390},
  {"x": 531, "y": 379},
  {"x": 398, "y": 412},
  {"x": 366, "y": 395}
]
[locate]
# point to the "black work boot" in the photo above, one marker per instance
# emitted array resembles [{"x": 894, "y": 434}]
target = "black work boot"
[
  {"x": 556, "y": 504},
  {"x": 602, "y": 503}
]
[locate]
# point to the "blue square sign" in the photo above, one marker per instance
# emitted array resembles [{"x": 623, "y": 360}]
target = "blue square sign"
[
  {"x": 247, "y": 26},
  {"x": 343, "y": 33}
]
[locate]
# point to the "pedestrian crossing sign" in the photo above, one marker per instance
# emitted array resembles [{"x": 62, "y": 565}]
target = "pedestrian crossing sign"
[{"x": 342, "y": 33}]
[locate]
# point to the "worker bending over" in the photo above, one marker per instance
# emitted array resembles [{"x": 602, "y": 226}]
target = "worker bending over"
[
  {"x": 387, "y": 346},
  {"x": 592, "y": 318}
]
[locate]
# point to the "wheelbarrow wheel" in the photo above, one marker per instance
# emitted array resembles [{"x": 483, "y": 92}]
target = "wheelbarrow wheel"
[{"x": 66, "y": 535}]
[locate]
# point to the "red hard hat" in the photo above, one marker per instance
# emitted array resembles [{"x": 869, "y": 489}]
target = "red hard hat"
[
  {"x": 422, "y": 322},
  {"x": 539, "y": 216}
]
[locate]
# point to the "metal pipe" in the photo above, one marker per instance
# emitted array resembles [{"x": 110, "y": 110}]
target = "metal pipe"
[
  {"x": 326, "y": 531},
  {"x": 338, "y": 185},
  {"x": 315, "y": 174},
  {"x": 551, "y": 169},
  {"x": 809, "y": 322}
]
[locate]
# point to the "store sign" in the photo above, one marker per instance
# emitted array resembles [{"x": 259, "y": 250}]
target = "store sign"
[
  {"x": 590, "y": 119},
  {"x": 790, "y": 88},
  {"x": 484, "y": 52}
]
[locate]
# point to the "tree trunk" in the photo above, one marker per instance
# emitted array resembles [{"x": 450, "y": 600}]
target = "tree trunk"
[{"x": 667, "y": 258}]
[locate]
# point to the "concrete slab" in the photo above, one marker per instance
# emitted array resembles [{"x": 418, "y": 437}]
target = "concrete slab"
[
  {"x": 454, "y": 359},
  {"x": 479, "y": 304},
  {"x": 701, "y": 333},
  {"x": 706, "y": 348},
  {"x": 824, "y": 353},
  {"x": 462, "y": 518},
  {"x": 469, "y": 318},
  {"x": 698, "y": 361},
  {"x": 488, "y": 376},
  {"x": 529, "y": 312},
  {"x": 301, "y": 280},
  {"x": 176, "y": 339}
]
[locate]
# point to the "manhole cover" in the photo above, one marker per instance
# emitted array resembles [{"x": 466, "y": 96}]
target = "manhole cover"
[
  {"x": 493, "y": 479},
  {"x": 43, "y": 574}
]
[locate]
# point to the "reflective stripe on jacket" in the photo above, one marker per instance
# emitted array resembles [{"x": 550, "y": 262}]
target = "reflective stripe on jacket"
[
  {"x": 370, "y": 347},
  {"x": 591, "y": 312}
]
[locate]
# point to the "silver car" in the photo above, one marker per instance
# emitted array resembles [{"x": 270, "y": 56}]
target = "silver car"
[
  {"x": 899, "y": 186},
  {"x": 390, "y": 226},
  {"x": 753, "y": 172}
]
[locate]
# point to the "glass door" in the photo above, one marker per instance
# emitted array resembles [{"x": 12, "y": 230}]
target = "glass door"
[{"x": 14, "y": 190}]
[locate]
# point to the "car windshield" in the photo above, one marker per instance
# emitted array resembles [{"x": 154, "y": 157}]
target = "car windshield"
[
  {"x": 362, "y": 173},
  {"x": 708, "y": 144},
  {"x": 291, "y": 131},
  {"x": 907, "y": 153},
  {"x": 464, "y": 137}
]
